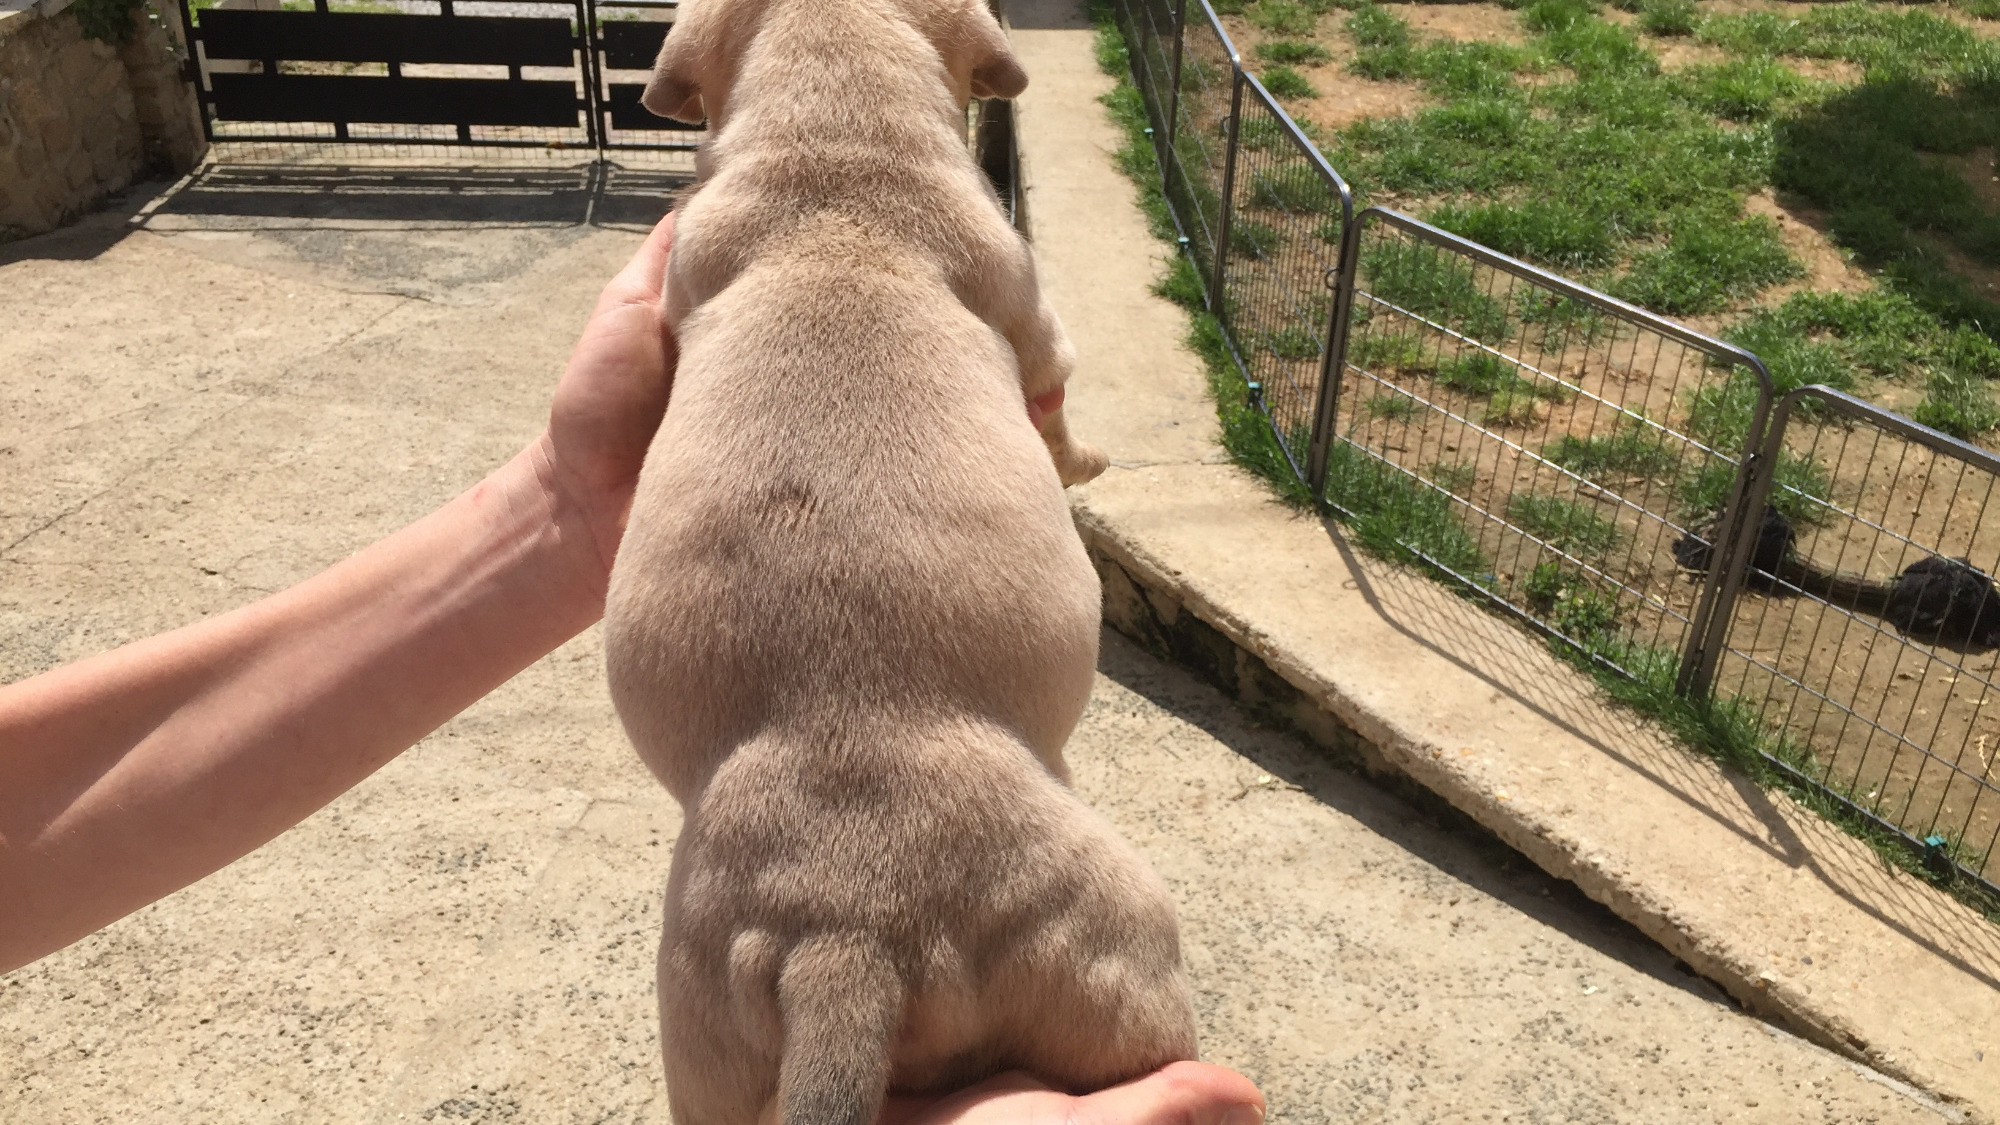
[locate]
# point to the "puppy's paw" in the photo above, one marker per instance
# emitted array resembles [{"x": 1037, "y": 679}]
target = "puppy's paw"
[{"x": 1077, "y": 463}]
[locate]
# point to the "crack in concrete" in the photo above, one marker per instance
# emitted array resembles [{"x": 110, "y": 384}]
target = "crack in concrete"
[{"x": 7, "y": 551}]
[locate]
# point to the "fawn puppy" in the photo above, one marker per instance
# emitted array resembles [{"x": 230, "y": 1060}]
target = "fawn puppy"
[{"x": 851, "y": 624}]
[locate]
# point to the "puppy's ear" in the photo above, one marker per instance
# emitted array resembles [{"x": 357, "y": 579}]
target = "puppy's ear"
[
  {"x": 675, "y": 90},
  {"x": 996, "y": 73}
]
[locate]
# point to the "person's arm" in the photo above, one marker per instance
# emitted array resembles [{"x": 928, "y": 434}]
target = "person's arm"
[{"x": 129, "y": 775}]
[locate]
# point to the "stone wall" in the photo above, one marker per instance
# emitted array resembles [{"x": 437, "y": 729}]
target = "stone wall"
[{"x": 80, "y": 118}]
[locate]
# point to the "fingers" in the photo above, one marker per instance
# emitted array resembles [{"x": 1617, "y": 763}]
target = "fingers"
[
  {"x": 643, "y": 277},
  {"x": 1185, "y": 1093},
  {"x": 909, "y": 1109}
]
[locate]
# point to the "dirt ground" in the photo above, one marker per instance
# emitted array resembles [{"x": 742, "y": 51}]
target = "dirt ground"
[
  {"x": 221, "y": 405},
  {"x": 1904, "y": 730}
]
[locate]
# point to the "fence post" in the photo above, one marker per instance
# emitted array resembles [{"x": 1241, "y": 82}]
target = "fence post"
[
  {"x": 1333, "y": 365},
  {"x": 1730, "y": 551},
  {"x": 593, "y": 81},
  {"x": 1218, "y": 289},
  {"x": 1174, "y": 91}
]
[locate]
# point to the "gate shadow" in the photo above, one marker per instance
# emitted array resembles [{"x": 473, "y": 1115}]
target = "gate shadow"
[
  {"x": 267, "y": 197},
  {"x": 251, "y": 197}
]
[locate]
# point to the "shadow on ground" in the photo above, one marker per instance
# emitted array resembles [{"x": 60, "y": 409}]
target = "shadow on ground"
[
  {"x": 272, "y": 197},
  {"x": 1518, "y": 665},
  {"x": 1452, "y": 844}
]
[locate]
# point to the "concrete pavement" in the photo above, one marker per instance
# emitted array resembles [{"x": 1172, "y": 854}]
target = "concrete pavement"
[{"x": 203, "y": 412}]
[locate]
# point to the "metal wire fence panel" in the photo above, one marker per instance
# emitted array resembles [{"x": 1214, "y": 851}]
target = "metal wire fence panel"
[
  {"x": 1286, "y": 218},
  {"x": 1865, "y": 636},
  {"x": 1152, "y": 35},
  {"x": 1192, "y": 173},
  {"x": 1544, "y": 444},
  {"x": 347, "y": 78}
]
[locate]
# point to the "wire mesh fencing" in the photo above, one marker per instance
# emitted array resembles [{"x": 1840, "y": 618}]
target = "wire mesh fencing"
[
  {"x": 1276, "y": 285},
  {"x": 1199, "y": 133},
  {"x": 1152, "y": 29},
  {"x": 1539, "y": 442},
  {"x": 1866, "y": 627},
  {"x": 1614, "y": 479}
]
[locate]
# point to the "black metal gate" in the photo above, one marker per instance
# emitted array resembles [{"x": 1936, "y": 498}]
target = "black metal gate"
[{"x": 500, "y": 74}]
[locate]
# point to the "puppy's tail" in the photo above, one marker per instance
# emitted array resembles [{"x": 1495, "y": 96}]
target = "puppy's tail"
[{"x": 842, "y": 1004}]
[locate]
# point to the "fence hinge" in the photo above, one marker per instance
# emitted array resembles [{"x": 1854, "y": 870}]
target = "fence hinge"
[{"x": 1333, "y": 277}]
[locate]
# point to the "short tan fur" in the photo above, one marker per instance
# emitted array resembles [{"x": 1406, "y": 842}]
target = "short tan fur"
[{"x": 851, "y": 624}]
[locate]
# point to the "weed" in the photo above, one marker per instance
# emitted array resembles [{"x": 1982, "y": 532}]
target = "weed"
[
  {"x": 1708, "y": 261},
  {"x": 1281, "y": 17},
  {"x": 1456, "y": 477},
  {"x": 1563, "y": 523},
  {"x": 1958, "y": 393},
  {"x": 1668, "y": 17},
  {"x": 1182, "y": 285},
  {"x": 1297, "y": 187},
  {"x": 1400, "y": 517},
  {"x": 1436, "y": 286},
  {"x": 1553, "y": 231},
  {"x": 1571, "y": 603},
  {"x": 1634, "y": 448},
  {"x": 1290, "y": 343},
  {"x": 1249, "y": 237},
  {"x": 1267, "y": 134},
  {"x": 1387, "y": 353},
  {"x": 1284, "y": 82},
  {"x": 1512, "y": 406},
  {"x": 1394, "y": 407},
  {"x": 1482, "y": 373},
  {"x": 1800, "y": 489},
  {"x": 1373, "y": 26},
  {"x": 1291, "y": 52},
  {"x": 1959, "y": 405},
  {"x": 1746, "y": 90}
]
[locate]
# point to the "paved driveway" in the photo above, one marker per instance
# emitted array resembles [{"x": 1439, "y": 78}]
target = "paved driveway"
[{"x": 197, "y": 414}]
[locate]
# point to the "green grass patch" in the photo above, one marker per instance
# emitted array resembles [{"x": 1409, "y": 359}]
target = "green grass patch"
[
  {"x": 1708, "y": 262},
  {"x": 1569, "y": 601},
  {"x": 1267, "y": 134},
  {"x": 1437, "y": 286},
  {"x": 1801, "y": 487},
  {"x": 1564, "y": 524},
  {"x": 1296, "y": 187},
  {"x": 1249, "y": 237},
  {"x": 1958, "y": 392},
  {"x": 1669, "y": 18},
  {"x": 1290, "y": 343},
  {"x": 1752, "y": 89},
  {"x": 1555, "y": 232},
  {"x": 1388, "y": 353},
  {"x": 1293, "y": 52},
  {"x": 1634, "y": 448},
  {"x": 1393, "y": 407},
  {"x": 1282, "y": 17},
  {"x": 1455, "y": 477},
  {"x": 1284, "y": 82},
  {"x": 1881, "y": 38},
  {"x": 1399, "y": 517}
]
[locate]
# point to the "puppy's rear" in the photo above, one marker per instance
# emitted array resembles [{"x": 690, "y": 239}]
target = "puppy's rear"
[{"x": 851, "y": 624}]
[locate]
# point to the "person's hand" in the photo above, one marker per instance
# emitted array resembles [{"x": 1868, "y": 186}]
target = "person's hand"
[
  {"x": 610, "y": 400},
  {"x": 1185, "y": 1093}
]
